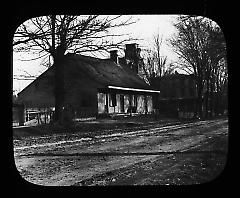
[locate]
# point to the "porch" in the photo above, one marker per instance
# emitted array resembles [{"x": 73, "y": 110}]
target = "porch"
[{"x": 114, "y": 100}]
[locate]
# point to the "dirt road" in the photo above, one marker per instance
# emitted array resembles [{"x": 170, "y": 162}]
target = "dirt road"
[{"x": 178, "y": 154}]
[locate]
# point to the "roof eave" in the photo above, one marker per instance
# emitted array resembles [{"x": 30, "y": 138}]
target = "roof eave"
[{"x": 133, "y": 89}]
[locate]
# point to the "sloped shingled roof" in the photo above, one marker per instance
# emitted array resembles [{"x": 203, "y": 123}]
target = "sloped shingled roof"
[
  {"x": 106, "y": 72},
  {"x": 103, "y": 71}
]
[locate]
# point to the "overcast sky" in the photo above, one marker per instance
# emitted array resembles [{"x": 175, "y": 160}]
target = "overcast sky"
[{"x": 145, "y": 28}]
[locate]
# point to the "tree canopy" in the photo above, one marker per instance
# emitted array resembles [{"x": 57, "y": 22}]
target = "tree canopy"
[
  {"x": 50, "y": 35},
  {"x": 201, "y": 48}
]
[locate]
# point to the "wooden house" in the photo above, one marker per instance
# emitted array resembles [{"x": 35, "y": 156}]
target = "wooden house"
[{"x": 94, "y": 87}]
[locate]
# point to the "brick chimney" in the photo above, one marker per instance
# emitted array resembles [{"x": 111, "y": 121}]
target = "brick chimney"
[
  {"x": 114, "y": 56},
  {"x": 132, "y": 56},
  {"x": 130, "y": 51}
]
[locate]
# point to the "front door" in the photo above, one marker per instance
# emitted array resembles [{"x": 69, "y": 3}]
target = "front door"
[{"x": 122, "y": 103}]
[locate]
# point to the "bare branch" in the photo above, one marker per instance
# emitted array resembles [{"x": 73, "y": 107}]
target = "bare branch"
[{"x": 71, "y": 31}]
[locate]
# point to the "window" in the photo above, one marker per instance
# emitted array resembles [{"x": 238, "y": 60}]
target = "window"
[{"x": 112, "y": 100}]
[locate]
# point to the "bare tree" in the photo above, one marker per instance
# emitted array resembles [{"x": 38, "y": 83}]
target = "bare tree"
[
  {"x": 56, "y": 35},
  {"x": 149, "y": 64},
  {"x": 216, "y": 70},
  {"x": 155, "y": 62},
  {"x": 200, "y": 46},
  {"x": 161, "y": 60}
]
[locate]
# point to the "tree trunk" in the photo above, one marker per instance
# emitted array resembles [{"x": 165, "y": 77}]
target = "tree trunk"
[
  {"x": 212, "y": 99},
  {"x": 59, "y": 87},
  {"x": 199, "y": 98},
  {"x": 200, "y": 113},
  {"x": 196, "y": 109},
  {"x": 218, "y": 98},
  {"x": 21, "y": 115},
  {"x": 207, "y": 99}
]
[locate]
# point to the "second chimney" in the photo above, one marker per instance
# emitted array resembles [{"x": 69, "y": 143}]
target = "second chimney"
[
  {"x": 114, "y": 56},
  {"x": 131, "y": 51}
]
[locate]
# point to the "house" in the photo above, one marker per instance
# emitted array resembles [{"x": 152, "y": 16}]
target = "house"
[
  {"x": 178, "y": 95},
  {"x": 94, "y": 87}
]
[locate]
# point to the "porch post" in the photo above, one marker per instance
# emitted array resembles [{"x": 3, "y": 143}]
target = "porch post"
[
  {"x": 146, "y": 107},
  {"x": 106, "y": 103}
]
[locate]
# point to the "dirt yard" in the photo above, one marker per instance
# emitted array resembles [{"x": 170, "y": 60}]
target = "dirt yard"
[{"x": 152, "y": 154}]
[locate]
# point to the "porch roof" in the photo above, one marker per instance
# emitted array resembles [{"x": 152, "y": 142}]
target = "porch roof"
[{"x": 128, "y": 89}]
